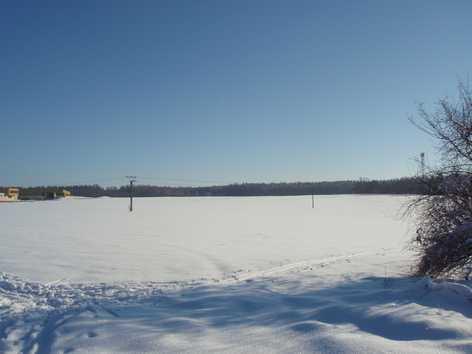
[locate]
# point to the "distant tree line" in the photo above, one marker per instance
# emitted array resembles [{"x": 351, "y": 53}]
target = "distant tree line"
[{"x": 407, "y": 185}]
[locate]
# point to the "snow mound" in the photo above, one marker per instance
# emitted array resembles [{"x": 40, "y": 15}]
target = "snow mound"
[
  {"x": 323, "y": 308},
  {"x": 448, "y": 288}
]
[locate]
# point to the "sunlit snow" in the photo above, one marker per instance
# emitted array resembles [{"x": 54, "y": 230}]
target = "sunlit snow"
[{"x": 238, "y": 275}]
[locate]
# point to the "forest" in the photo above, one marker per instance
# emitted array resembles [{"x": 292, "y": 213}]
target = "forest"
[{"x": 406, "y": 185}]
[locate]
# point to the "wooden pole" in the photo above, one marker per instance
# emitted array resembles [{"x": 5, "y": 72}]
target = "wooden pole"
[
  {"x": 132, "y": 179},
  {"x": 131, "y": 195}
]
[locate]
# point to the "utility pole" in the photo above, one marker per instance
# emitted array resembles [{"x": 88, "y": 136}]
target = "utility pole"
[
  {"x": 422, "y": 164},
  {"x": 312, "y": 195},
  {"x": 132, "y": 179}
]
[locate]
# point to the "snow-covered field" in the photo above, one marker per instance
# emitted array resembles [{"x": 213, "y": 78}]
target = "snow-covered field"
[{"x": 242, "y": 275}]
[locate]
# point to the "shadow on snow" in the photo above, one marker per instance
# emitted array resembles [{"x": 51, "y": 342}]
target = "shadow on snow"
[
  {"x": 374, "y": 305},
  {"x": 397, "y": 309}
]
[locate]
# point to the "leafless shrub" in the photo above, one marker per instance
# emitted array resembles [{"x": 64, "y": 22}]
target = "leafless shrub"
[{"x": 444, "y": 212}]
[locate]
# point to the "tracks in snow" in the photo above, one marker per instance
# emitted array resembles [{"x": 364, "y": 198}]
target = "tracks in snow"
[
  {"x": 31, "y": 312},
  {"x": 295, "y": 267}
]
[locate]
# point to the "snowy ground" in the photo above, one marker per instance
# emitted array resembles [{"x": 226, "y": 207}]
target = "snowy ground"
[
  {"x": 241, "y": 275},
  {"x": 174, "y": 239}
]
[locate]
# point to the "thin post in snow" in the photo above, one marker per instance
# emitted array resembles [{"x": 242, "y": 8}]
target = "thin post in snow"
[
  {"x": 132, "y": 179},
  {"x": 422, "y": 165}
]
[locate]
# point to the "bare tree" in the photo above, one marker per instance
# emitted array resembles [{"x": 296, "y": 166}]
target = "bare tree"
[{"x": 444, "y": 213}]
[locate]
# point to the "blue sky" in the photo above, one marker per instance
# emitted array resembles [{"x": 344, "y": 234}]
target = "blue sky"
[{"x": 222, "y": 91}]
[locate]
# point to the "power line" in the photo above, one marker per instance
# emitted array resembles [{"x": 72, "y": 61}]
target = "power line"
[{"x": 184, "y": 180}]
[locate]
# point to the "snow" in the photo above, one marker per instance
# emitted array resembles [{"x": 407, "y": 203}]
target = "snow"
[
  {"x": 236, "y": 275},
  {"x": 174, "y": 239}
]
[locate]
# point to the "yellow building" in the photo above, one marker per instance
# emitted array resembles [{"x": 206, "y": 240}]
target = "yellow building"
[
  {"x": 66, "y": 193},
  {"x": 13, "y": 193}
]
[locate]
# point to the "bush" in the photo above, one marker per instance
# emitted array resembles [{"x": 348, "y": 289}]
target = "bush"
[{"x": 444, "y": 213}]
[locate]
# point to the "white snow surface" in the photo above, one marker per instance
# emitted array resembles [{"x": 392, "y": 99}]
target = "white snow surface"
[
  {"x": 174, "y": 239},
  {"x": 221, "y": 275}
]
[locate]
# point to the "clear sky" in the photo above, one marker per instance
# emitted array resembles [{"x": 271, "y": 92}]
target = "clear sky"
[{"x": 222, "y": 91}]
